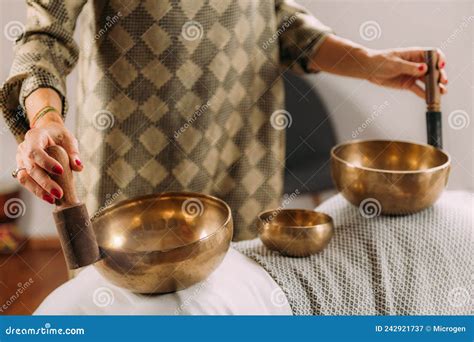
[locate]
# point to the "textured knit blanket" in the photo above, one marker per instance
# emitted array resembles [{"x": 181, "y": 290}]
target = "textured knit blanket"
[{"x": 419, "y": 264}]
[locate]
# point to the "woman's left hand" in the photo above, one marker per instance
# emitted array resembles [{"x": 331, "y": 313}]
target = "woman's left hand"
[{"x": 404, "y": 69}]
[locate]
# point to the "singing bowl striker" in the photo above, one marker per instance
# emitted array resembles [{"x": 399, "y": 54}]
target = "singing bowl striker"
[
  {"x": 163, "y": 242},
  {"x": 295, "y": 232},
  {"x": 403, "y": 177}
]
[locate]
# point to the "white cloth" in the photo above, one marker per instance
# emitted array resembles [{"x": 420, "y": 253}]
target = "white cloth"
[
  {"x": 239, "y": 286},
  {"x": 419, "y": 264},
  {"x": 413, "y": 264}
]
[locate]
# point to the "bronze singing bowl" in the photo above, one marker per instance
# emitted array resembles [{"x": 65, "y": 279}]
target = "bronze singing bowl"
[
  {"x": 163, "y": 242},
  {"x": 403, "y": 177},
  {"x": 295, "y": 232}
]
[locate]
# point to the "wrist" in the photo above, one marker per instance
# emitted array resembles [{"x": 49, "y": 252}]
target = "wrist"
[
  {"x": 343, "y": 57},
  {"x": 43, "y": 120},
  {"x": 368, "y": 60}
]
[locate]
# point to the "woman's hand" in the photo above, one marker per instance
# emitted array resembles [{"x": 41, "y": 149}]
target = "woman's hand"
[
  {"x": 403, "y": 69},
  {"x": 31, "y": 155},
  {"x": 395, "y": 68}
]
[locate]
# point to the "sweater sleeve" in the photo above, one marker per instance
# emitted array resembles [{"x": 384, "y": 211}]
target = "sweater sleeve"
[
  {"x": 44, "y": 54},
  {"x": 300, "y": 34}
]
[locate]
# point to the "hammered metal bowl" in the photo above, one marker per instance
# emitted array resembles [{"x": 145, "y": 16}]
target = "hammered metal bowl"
[
  {"x": 163, "y": 242},
  {"x": 398, "y": 177},
  {"x": 295, "y": 232}
]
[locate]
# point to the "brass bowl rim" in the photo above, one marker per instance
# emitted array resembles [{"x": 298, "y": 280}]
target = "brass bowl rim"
[
  {"x": 328, "y": 217},
  {"x": 356, "y": 141},
  {"x": 160, "y": 195}
]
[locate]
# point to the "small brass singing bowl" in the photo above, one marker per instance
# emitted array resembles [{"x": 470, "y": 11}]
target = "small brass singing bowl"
[
  {"x": 295, "y": 232},
  {"x": 163, "y": 242},
  {"x": 389, "y": 177}
]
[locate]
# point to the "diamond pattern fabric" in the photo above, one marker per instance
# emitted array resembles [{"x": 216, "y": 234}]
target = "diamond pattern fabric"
[{"x": 174, "y": 95}]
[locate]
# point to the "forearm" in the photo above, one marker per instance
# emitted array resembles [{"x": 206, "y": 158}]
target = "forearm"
[
  {"x": 41, "y": 98},
  {"x": 343, "y": 57}
]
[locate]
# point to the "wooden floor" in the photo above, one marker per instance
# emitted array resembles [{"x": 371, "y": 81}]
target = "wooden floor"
[{"x": 26, "y": 278}]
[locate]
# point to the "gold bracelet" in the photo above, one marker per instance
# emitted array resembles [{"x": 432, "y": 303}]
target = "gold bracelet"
[{"x": 42, "y": 113}]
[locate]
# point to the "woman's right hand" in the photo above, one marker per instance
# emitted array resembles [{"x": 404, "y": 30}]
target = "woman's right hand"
[{"x": 31, "y": 155}]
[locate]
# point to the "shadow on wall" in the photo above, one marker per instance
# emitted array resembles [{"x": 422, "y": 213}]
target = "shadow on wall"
[{"x": 309, "y": 139}]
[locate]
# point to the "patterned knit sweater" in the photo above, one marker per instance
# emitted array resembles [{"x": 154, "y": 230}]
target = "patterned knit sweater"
[{"x": 172, "y": 95}]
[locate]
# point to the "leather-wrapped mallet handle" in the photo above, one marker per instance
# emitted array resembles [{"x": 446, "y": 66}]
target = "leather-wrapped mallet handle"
[
  {"x": 433, "y": 100},
  {"x": 74, "y": 227}
]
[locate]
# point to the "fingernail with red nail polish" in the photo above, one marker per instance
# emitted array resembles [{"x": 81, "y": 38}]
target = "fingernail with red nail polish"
[
  {"x": 56, "y": 193},
  {"x": 421, "y": 67},
  {"x": 48, "y": 198},
  {"x": 58, "y": 169},
  {"x": 78, "y": 162},
  {"x": 442, "y": 65}
]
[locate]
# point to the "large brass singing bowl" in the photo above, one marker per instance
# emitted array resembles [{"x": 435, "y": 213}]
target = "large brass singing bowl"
[
  {"x": 295, "y": 232},
  {"x": 394, "y": 177},
  {"x": 162, "y": 243}
]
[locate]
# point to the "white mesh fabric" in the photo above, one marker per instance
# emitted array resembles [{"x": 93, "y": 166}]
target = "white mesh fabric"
[{"x": 418, "y": 264}]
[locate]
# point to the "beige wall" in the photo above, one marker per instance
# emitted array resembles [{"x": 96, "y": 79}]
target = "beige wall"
[
  {"x": 350, "y": 102},
  {"x": 446, "y": 24}
]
